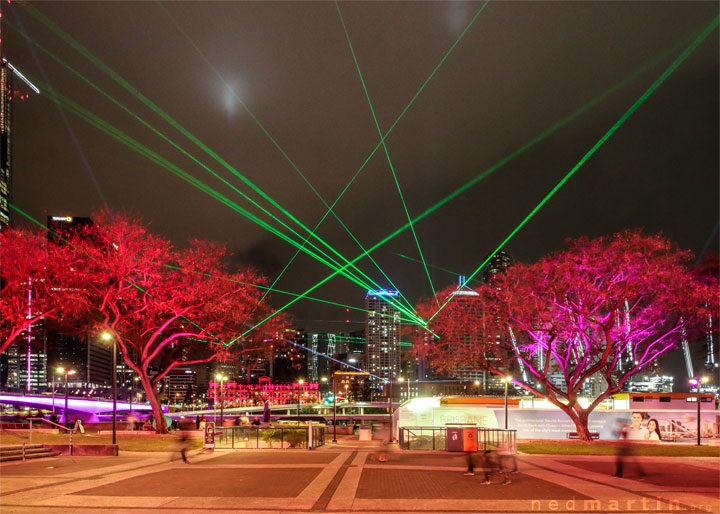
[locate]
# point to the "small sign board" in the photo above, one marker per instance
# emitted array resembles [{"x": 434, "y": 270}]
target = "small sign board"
[{"x": 210, "y": 435}]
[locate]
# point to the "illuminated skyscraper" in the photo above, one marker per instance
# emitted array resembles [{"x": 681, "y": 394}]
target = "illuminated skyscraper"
[
  {"x": 6, "y": 92},
  {"x": 382, "y": 350}
]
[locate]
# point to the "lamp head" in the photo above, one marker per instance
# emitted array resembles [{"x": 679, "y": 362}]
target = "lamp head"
[
  {"x": 106, "y": 336},
  {"x": 61, "y": 370}
]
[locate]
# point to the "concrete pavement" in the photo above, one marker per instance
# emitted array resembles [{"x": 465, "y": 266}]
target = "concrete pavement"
[{"x": 349, "y": 477}]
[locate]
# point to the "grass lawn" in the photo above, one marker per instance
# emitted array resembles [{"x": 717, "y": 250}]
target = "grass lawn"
[
  {"x": 144, "y": 443},
  {"x": 609, "y": 448}
]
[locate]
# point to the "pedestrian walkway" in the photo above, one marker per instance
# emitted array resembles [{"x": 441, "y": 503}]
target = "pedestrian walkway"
[{"x": 349, "y": 477}]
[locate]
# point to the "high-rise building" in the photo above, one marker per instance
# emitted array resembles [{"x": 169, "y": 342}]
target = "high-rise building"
[
  {"x": 90, "y": 357},
  {"x": 319, "y": 346},
  {"x": 497, "y": 264},
  {"x": 290, "y": 359},
  {"x": 382, "y": 329},
  {"x": 27, "y": 362},
  {"x": 7, "y": 94},
  {"x": 180, "y": 382}
]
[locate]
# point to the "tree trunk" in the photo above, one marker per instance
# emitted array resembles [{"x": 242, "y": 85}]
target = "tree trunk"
[
  {"x": 154, "y": 399},
  {"x": 581, "y": 425}
]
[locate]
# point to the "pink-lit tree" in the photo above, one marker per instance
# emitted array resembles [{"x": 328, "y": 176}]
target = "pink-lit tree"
[
  {"x": 37, "y": 282},
  {"x": 163, "y": 307},
  {"x": 601, "y": 310}
]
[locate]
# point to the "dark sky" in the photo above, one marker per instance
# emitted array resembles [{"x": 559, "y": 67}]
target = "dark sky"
[{"x": 521, "y": 67}]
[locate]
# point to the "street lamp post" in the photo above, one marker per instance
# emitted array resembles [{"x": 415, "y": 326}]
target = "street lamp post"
[
  {"x": 132, "y": 391},
  {"x": 697, "y": 381},
  {"x": 334, "y": 409},
  {"x": 507, "y": 380},
  {"x": 300, "y": 383},
  {"x": 477, "y": 388},
  {"x": 390, "y": 409},
  {"x": 222, "y": 379},
  {"x": 107, "y": 336},
  {"x": 53, "y": 394},
  {"x": 66, "y": 372}
]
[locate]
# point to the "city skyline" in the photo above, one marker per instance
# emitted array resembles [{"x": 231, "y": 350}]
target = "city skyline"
[{"x": 507, "y": 79}]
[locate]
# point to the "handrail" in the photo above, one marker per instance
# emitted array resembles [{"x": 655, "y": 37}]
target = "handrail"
[
  {"x": 71, "y": 431},
  {"x": 52, "y": 423}
]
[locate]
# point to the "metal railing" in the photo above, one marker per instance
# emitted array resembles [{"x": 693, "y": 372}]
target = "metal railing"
[
  {"x": 434, "y": 438},
  {"x": 268, "y": 437},
  {"x": 71, "y": 431}
]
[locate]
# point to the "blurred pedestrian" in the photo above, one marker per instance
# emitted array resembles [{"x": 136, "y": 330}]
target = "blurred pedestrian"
[
  {"x": 197, "y": 422},
  {"x": 131, "y": 422},
  {"x": 184, "y": 443},
  {"x": 623, "y": 454},
  {"x": 470, "y": 464}
]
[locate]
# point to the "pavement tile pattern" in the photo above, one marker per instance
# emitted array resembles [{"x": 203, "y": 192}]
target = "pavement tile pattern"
[{"x": 353, "y": 478}]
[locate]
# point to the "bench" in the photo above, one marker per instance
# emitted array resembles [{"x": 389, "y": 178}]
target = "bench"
[{"x": 574, "y": 435}]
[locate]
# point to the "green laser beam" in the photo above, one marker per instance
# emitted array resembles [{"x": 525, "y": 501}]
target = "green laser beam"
[
  {"x": 451, "y": 272},
  {"x": 510, "y": 157},
  {"x": 76, "y": 109},
  {"x": 73, "y": 107},
  {"x": 377, "y": 146},
  {"x": 147, "y": 125},
  {"x": 649, "y": 91},
  {"x": 387, "y": 154},
  {"x": 126, "y": 85},
  {"x": 283, "y": 153},
  {"x": 59, "y": 237}
]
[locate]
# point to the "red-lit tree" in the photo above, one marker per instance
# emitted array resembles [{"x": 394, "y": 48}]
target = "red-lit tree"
[
  {"x": 36, "y": 282},
  {"x": 163, "y": 307},
  {"x": 601, "y": 310}
]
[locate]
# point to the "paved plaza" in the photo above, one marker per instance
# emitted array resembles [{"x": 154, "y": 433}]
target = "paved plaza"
[{"x": 350, "y": 477}]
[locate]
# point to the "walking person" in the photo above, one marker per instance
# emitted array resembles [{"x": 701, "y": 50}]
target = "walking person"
[
  {"x": 624, "y": 451},
  {"x": 184, "y": 447},
  {"x": 470, "y": 464}
]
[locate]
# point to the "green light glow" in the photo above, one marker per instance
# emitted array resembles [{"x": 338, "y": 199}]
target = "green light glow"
[
  {"x": 287, "y": 158},
  {"x": 451, "y": 272},
  {"x": 505, "y": 160},
  {"x": 387, "y": 154},
  {"x": 123, "y": 83},
  {"x": 649, "y": 91}
]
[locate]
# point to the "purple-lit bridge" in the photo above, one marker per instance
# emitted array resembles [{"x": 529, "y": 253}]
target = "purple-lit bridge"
[{"x": 86, "y": 409}]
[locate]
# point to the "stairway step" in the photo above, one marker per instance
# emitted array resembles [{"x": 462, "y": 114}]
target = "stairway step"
[
  {"x": 27, "y": 451},
  {"x": 19, "y": 447},
  {"x": 49, "y": 453}
]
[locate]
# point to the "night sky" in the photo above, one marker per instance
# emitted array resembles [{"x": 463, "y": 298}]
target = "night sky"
[{"x": 520, "y": 68}]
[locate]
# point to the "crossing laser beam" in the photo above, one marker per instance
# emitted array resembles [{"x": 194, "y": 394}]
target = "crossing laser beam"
[{"x": 649, "y": 91}]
